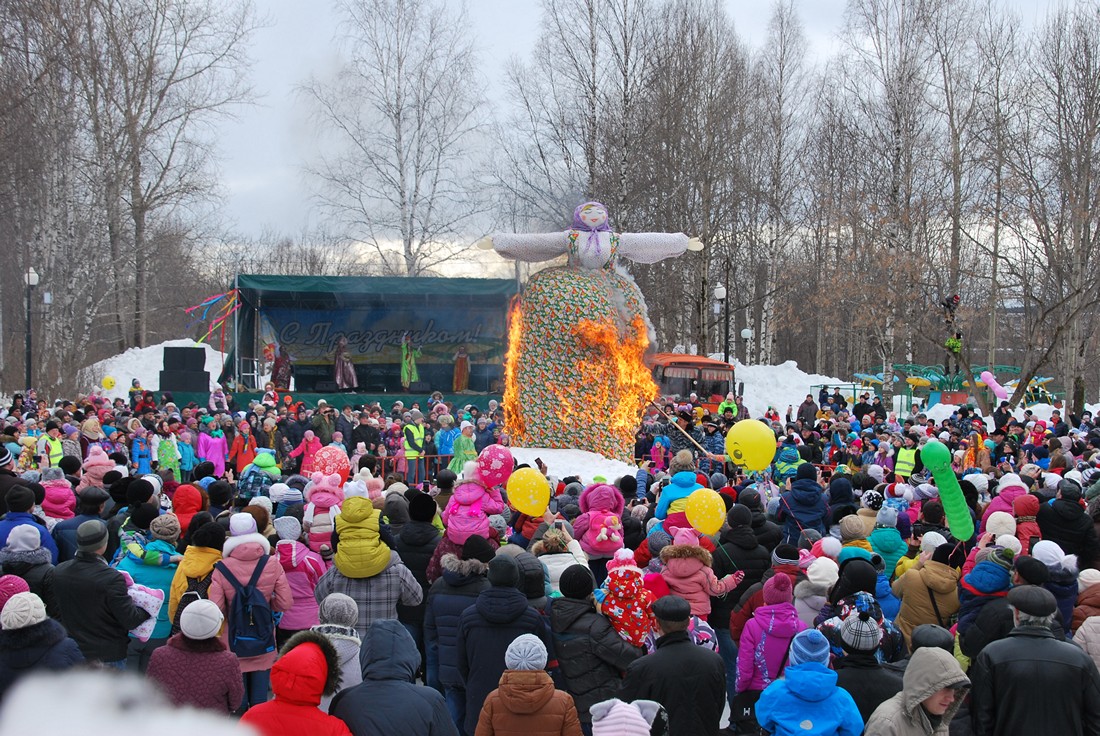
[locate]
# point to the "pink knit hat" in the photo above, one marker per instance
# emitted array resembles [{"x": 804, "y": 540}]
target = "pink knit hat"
[
  {"x": 11, "y": 585},
  {"x": 623, "y": 558}
]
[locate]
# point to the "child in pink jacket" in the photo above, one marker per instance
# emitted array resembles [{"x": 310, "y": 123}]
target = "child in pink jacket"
[
  {"x": 323, "y": 498},
  {"x": 303, "y": 568},
  {"x": 688, "y": 575},
  {"x": 468, "y": 511},
  {"x": 308, "y": 449},
  {"x": 766, "y": 637}
]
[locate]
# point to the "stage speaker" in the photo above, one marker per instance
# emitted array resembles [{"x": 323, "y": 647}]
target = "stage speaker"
[
  {"x": 325, "y": 387},
  {"x": 184, "y": 359},
  {"x": 189, "y": 381},
  {"x": 420, "y": 387}
]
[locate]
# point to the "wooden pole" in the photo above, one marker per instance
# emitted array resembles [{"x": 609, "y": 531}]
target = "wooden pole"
[{"x": 672, "y": 421}]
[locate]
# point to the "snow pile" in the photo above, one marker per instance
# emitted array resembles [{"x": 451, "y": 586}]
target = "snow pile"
[
  {"x": 585, "y": 465},
  {"x": 779, "y": 386},
  {"x": 145, "y": 365}
]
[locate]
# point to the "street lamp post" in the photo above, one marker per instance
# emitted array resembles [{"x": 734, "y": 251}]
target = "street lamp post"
[
  {"x": 747, "y": 335},
  {"x": 720, "y": 296},
  {"x": 30, "y": 278}
]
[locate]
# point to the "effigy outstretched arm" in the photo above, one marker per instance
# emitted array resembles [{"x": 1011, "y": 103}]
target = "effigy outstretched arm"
[
  {"x": 654, "y": 247},
  {"x": 531, "y": 247}
]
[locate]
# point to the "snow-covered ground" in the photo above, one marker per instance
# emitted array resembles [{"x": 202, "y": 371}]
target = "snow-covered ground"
[
  {"x": 586, "y": 465},
  {"x": 145, "y": 365}
]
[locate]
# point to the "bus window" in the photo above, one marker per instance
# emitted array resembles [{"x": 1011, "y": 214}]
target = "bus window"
[{"x": 679, "y": 381}]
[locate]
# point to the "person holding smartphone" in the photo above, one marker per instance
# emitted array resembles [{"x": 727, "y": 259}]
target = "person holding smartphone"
[{"x": 557, "y": 549}]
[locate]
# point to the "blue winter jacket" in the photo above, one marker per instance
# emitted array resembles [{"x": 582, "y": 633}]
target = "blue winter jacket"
[
  {"x": 807, "y": 702},
  {"x": 802, "y": 507},
  {"x": 986, "y": 582},
  {"x": 388, "y": 700},
  {"x": 13, "y": 519},
  {"x": 445, "y": 440},
  {"x": 448, "y": 597},
  {"x": 884, "y": 594},
  {"x": 158, "y": 577}
]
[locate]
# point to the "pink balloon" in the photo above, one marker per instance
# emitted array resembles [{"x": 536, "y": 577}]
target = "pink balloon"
[
  {"x": 329, "y": 460},
  {"x": 494, "y": 465},
  {"x": 991, "y": 381}
]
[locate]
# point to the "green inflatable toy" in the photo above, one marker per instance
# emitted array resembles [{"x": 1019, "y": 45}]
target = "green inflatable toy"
[{"x": 937, "y": 458}]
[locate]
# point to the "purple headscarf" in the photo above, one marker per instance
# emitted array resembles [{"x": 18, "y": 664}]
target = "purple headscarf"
[{"x": 579, "y": 224}]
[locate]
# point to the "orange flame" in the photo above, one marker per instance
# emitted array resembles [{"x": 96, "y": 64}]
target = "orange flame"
[
  {"x": 513, "y": 408},
  {"x": 603, "y": 405}
]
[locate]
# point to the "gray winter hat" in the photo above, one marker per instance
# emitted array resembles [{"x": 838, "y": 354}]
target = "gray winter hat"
[
  {"x": 339, "y": 609},
  {"x": 526, "y": 652}
]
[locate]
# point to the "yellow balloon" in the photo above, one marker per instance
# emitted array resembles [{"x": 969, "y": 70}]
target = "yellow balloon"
[
  {"x": 108, "y": 382},
  {"x": 751, "y": 444},
  {"x": 528, "y": 491},
  {"x": 705, "y": 511}
]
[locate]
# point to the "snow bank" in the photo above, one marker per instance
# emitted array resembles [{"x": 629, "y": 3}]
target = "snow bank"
[
  {"x": 561, "y": 463},
  {"x": 145, "y": 365},
  {"x": 779, "y": 386}
]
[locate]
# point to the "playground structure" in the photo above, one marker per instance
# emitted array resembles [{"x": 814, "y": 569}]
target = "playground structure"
[{"x": 932, "y": 384}]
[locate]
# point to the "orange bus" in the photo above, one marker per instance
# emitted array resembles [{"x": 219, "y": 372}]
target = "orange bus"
[{"x": 681, "y": 375}]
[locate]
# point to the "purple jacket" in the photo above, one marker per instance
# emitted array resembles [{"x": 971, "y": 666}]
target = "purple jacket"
[
  {"x": 304, "y": 568},
  {"x": 203, "y": 674},
  {"x": 213, "y": 449},
  {"x": 764, "y": 643}
]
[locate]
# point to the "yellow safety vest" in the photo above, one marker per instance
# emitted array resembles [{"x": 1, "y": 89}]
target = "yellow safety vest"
[
  {"x": 906, "y": 462},
  {"x": 56, "y": 450},
  {"x": 418, "y": 432}
]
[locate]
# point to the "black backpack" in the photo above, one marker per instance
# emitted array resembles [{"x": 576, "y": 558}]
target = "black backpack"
[
  {"x": 198, "y": 589},
  {"x": 251, "y": 623}
]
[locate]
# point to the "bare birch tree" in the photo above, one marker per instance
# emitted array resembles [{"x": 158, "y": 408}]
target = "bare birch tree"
[{"x": 400, "y": 123}]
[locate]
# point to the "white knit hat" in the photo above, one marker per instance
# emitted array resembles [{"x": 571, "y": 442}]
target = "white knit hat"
[
  {"x": 931, "y": 540},
  {"x": 24, "y": 538},
  {"x": 22, "y": 610},
  {"x": 823, "y": 572},
  {"x": 288, "y": 528},
  {"x": 277, "y": 490},
  {"x": 1001, "y": 522},
  {"x": 202, "y": 619},
  {"x": 1009, "y": 541},
  {"x": 526, "y": 652},
  {"x": 263, "y": 502},
  {"x": 241, "y": 524}
]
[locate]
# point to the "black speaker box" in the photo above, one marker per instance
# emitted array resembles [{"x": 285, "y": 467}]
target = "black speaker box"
[
  {"x": 325, "y": 387},
  {"x": 189, "y": 381},
  {"x": 184, "y": 359},
  {"x": 419, "y": 387}
]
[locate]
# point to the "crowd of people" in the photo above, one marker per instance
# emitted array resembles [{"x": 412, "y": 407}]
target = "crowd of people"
[{"x": 201, "y": 548}]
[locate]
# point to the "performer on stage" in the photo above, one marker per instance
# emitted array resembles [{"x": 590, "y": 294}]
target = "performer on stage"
[
  {"x": 345, "y": 369},
  {"x": 409, "y": 354},
  {"x": 462, "y": 370},
  {"x": 282, "y": 369}
]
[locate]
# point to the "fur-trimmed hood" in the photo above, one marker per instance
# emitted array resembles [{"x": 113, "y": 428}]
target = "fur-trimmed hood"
[
  {"x": 458, "y": 567},
  {"x": 22, "y": 649},
  {"x": 22, "y": 560},
  {"x": 684, "y": 552},
  {"x": 304, "y": 673},
  {"x": 232, "y": 543}
]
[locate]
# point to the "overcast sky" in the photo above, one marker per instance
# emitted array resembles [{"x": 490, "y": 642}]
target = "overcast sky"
[{"x": 262, "y": 148}]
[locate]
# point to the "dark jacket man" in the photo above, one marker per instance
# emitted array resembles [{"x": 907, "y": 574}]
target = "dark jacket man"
[
  {"x": 590, "y": 652},
  {"x": 92, "y": 598},
  {"x": 688, "y": 680},
  {"x": 388, "y": 701},
  {"x": 1006, "y": 674},
  {"x": 1064, "y": 522},
  {"x": 738, "y": 549},
  {"x": 485, "y": 630}
]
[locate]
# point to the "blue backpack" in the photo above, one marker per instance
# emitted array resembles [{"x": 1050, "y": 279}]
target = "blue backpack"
[{"x": 250, "y": 624}]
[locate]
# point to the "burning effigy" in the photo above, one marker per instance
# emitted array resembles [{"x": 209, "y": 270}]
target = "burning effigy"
[{"x": 575, "y": 375}]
